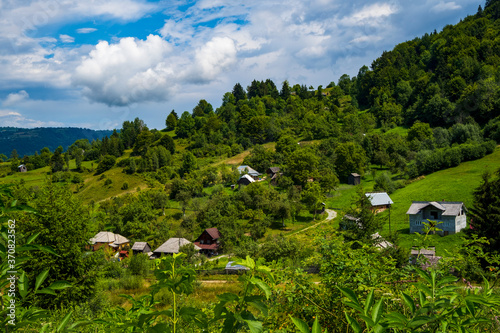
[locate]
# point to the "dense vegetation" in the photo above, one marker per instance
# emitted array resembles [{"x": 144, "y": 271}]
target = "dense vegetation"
[{"x": 429, "y": 104}]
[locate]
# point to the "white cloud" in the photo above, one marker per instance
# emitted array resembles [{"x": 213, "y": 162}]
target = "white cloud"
[
  {"x": 15, "y": 98},
  {"x": 66, "y": 39},
  {"x": 15, "y": 119},
  {"x": 370, "y": 15},
  {"x": 445, "y": 6},
  {"x": 86, "y": 30}
]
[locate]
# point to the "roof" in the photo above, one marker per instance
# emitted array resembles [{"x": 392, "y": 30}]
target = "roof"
[
  {"x": 109, "y": 238},
  {"x": 213, "y": 246},
  {"x": 380, "y": 242},
  {"x": 425, "y": 252},
  {"x": 448, "y": 208},
  {"x": 213, "y": 232},
  {"x": 139, "y": 246},
  {"x": 248, "y": 177},
  {"x": 230, "y": 265},
  {"x": 379, "y": 198},
  {"x": 173, "y": 245},
  {"x": 274, "y": 169},
  {"x": 355, "y": 175},
  {"x": 249, "y": 170}
]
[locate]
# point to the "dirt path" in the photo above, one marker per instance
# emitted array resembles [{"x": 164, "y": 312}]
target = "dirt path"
[{"x": 331, "y": 215}]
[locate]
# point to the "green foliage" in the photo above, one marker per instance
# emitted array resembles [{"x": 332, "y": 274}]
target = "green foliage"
[
  {"x": 105, "y": 164},
  {"x": 384, "y": 183}
]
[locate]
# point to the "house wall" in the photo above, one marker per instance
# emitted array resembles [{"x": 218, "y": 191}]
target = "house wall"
[
  {"x": 449, "y": 225},
  {"x": 205, "y": 238}
]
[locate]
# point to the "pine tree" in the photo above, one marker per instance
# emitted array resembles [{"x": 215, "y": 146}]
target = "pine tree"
[{"x": 485, "y": 213}]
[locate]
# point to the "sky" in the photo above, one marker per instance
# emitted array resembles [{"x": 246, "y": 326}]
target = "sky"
[{"x": 97, "y": 63}]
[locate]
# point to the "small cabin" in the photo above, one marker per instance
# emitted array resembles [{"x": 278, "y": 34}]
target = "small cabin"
[
  {"x": 208, "y": 241},
  {"x": 245, "y": 180},
  {"x": 141, "y": 247},
  {"x": 354, "y": 179},
  {"x": 22, "y": 168}
]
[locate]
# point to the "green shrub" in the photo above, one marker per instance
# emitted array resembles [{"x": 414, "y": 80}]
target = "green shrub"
[
  {"x": 129, "y": 282},
  {"x": 139, "y": 264},
  {"x": 105, "y": 164},
  {"x": 125, "y": 186},
  {"x": 108, "y": 182}
]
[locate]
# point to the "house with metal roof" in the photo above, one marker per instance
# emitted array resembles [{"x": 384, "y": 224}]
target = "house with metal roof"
[
  {"x": 245, "y": 169},
  {"x": 449, "y": 215},
  {"x": 245, "y": 180},
  {"x": 379, "y": 200},
  {"x": 108, "y": 239},
  {"x": 172, "y": 246}
]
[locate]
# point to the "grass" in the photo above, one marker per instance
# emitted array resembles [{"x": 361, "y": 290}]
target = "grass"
[{"x": 454, "y": 184}]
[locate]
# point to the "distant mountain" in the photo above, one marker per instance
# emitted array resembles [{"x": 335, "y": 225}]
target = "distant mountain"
[{"x": 28, "y": 140}]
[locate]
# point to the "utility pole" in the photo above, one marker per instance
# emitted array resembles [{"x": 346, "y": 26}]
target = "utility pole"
[{"x": 389, "y": 218}]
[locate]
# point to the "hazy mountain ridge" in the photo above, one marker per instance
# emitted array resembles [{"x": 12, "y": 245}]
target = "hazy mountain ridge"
[{"x": 29, "y": 140}]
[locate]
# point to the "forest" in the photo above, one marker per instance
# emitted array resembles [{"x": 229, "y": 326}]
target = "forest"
[{"x": 426, "y": 107}]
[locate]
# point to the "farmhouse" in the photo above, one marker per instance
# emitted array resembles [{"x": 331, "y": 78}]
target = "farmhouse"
[
  {"x": 449, "y": 215},
  {"x": 208, "y": 241},
  {"x": 379, "y": 200},
  {"x": 248, "y": 170},
  {"x": 108, "y": 239},
  {"x": 171, "y": 246},
  {"x": 245, "y": 180}
]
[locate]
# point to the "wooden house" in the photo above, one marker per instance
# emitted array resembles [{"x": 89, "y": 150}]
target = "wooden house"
[
  {"x": 273, "y": 173},
  {"x": 353, "y": 179},
  {"x": 22, "y": 168},
  {"x": 141, "y": 247},
  {"x": 209, "y": 241},
  {"x": 449, "y": 215}
]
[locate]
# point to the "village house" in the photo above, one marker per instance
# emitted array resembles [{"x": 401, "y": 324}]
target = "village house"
[
  {"x": 379, "y": 201},
  {"x": 449, "y": 215},
  {"x": 245, "y": 169},
  {"x": 172, "y": 246},
  {"x": 108, "y": 239},
  {"x": 208, "y": 241},
  {"x": 245, "y": 180}
]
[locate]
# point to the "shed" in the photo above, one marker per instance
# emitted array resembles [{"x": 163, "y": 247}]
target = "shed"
[
  {"x": 141, "y": 247},
  {"x": 353, "y": 179},
  {"x": 22, "y": 168},
  {"x": 171, "y": 246}
]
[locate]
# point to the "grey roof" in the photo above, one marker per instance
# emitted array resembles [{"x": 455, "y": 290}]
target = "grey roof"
[
  {"x": 109, "y": 238},
  {"x": 173, "y": 245},
  {"x": 274, "y": 169},
  {"x": 379, "y": 198},
  {"x": 231, "y": 266},
  {"x": 139, "y": 246},
  {"x": 449, "y": 208},
  {"x": 380, "y": 242},
  {"x": 355, "y": 174},
  {"x": 249, "y": 170}
]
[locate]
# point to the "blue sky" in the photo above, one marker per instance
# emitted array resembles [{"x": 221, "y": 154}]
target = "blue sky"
[{"x": 97, "y": 63}]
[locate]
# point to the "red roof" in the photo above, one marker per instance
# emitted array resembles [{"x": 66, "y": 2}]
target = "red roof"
[
  {"x": 213, "y": 246},
  {"x": 213, "y": 232}
]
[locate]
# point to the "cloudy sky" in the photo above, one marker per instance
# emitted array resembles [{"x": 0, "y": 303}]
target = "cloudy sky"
[{"x": 96, "y": 63}]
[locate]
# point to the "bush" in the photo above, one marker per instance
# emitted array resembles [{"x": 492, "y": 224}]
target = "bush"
[
  {"x": 108, "y": 182},
  {"x": 129, "y": 282},
  {"x": 125, "y": 186},
  {"x": 77, "y": 179},
  {"x": 383, "y": 182},
  {"x": 139, "y": 264},
  {"x": 105, "y": 164}
]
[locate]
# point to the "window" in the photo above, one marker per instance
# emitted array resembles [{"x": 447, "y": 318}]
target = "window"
[{"x": 434, "y": 215}]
